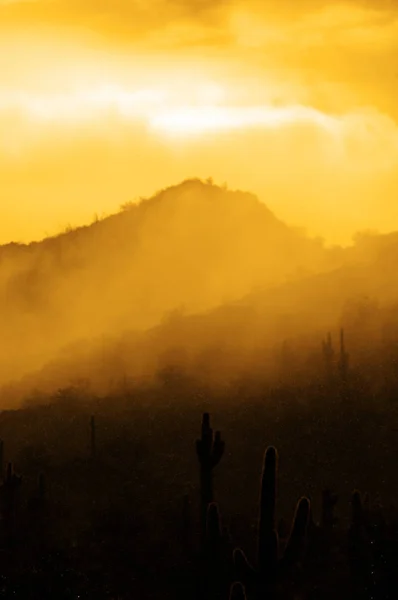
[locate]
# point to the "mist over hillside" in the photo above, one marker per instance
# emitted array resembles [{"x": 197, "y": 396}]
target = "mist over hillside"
[
  {"x": 197, "y": 277},
  {"x": 194, "y": 245}
]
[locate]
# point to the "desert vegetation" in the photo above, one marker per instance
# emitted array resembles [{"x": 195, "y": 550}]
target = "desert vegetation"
[{"x": 189, "y": 411}]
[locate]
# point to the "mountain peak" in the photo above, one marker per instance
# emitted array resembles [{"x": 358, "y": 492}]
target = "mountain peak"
[
  {"x": 195, "y": 245},
  {"x": 195, "y": 192}
]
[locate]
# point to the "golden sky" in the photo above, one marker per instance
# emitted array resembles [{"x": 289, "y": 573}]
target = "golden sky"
[{"x": 105, "y": 101}]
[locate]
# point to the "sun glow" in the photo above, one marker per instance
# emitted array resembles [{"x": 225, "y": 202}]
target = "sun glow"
[
  {"x": 188, "y": 120},
  {"x": 83, "y": 104},
  {"x": 208, "y": 107}
]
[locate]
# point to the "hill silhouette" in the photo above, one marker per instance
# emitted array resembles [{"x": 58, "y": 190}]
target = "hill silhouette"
[
  {"x": 194, "y": 246},
  {"x": 196, "y": 280},
  {"x": 117, "y": 336}
]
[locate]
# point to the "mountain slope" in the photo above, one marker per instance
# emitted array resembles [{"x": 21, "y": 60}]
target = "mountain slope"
[
  {"x": 194, "y": 245},
  {"x": 242, "y": 338},
  {"x": 105, "y": 294}
]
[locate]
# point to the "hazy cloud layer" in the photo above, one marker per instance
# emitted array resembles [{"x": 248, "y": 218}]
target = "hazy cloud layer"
[{"x": 337, "y": 58}]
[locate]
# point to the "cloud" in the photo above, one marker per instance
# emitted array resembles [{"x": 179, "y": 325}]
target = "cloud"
[
  {"x": 140, "y": 17},
  {"x": 345, "y": 53},
  {"x": 317, "y": 42},
  {"x": 331, "y": 174},
  {"x": 287, "y": 26},
  {"x": 334, "y": 58}
]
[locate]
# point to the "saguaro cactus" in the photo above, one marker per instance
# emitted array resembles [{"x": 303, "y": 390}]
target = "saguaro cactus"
[
  {"x": 272, "y": 566},
  {"x": 209, "y": 449}
]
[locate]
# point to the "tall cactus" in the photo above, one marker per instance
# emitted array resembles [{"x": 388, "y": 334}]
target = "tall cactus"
[
  {"x": 273, "y": 566},
  {"x": 209, "y": 450}
]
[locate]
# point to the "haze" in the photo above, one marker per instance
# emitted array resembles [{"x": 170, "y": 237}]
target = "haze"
[{"x": 101, "y": 104}]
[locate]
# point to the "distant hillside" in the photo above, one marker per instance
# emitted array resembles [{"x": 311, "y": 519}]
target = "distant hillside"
[
  {"x": 267, "y": 333},
  {"x": 194, "y": 245},
  {"x": 246, "y": 336}
]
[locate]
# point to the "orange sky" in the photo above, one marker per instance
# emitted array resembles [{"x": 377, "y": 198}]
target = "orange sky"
[{"x": 103, "y": 102}]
